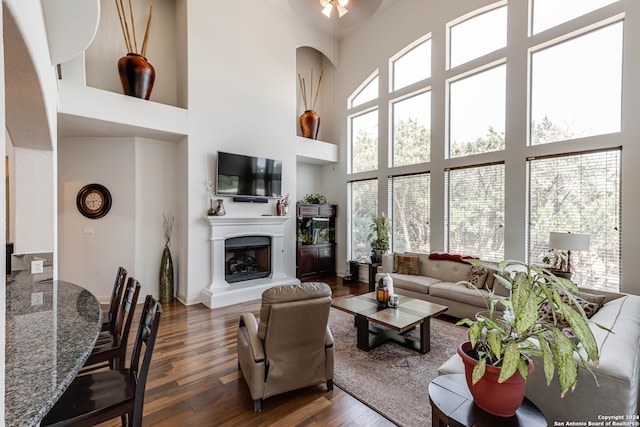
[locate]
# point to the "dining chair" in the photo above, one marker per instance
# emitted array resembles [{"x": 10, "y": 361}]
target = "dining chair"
[
  {"x": 109, "y": 316},
  {"x": 100, "y": 396},
  {"x": 110, "y": 348}
]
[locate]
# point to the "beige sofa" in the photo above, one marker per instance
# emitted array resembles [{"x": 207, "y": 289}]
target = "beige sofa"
[
  {"x": 437, "y": 281},
  {"x": 618, "y": 372}
]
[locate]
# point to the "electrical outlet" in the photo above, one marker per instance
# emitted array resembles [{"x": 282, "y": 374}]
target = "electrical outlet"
[{"x": 37, "y": 266}]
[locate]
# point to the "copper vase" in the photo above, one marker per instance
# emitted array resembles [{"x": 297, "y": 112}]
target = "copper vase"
[
  {"x": 309, "y": 124},
  {"x": 137, "y": 75}
]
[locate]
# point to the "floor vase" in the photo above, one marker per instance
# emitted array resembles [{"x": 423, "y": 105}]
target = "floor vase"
[{"x": 166, "y": 276}]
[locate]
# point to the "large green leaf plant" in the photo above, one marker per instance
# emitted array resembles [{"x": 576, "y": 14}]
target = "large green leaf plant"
[{"x": 512, "y": 339}]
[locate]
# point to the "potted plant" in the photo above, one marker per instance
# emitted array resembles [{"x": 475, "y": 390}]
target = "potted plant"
[
  {"x": 313, "y": 199},
  {"x": 499, "y": 350},
  {"x": 380, "y": 229},
  {"x": 558, "y": 263}
]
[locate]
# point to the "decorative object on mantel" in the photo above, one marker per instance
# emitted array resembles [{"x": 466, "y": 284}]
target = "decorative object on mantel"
[
  {"x": 220, "y": 210},
  {"x": 313, "y": 199},
  {"x": 137, "y": 75},
  {"x": 210, "y": 193},
  {"x": 166, "y": 265},
  {"x": 309, "y": 120},
  {"x": 285, "y": 204}
]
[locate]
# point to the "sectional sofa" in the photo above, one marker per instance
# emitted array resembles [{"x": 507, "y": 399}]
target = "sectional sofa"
[{"x": 434, "y": 277}]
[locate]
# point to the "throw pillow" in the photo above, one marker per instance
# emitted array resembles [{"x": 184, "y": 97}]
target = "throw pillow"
[
  {"x": 451, "y": 257},
  {"x": 546, "y": 315},
  {"x": 476, "y": 276},
  {"x": 407, "y": 264}
]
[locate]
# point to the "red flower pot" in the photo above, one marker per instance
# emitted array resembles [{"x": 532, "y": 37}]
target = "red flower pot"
[{"x": 501, "y": 399}]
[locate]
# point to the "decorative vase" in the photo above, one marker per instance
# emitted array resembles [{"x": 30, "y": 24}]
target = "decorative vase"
[
  {"x": 220, "y": 210},
  {"x": 382, "y": 293},
  {"x": 212, "y": 210},
  {"x": 285, "y": 210},
  {"x": 137, "y": 75},
  {"x": 309, "y": 124},
  {"x": 166, "y": 276},
  {"x": 501, "y": 399}
]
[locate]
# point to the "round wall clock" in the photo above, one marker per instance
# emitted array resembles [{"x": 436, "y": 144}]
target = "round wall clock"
[{"x": 93, "y": 201}]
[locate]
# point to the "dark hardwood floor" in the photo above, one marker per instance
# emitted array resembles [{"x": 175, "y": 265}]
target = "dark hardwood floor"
[{"x": 194, "y": 378}]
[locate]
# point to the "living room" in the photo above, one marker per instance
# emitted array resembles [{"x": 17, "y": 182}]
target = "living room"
[{"x": 219, "y": 66}]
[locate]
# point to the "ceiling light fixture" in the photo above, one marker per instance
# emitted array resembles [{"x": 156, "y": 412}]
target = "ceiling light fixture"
[{"x": 328, "y": 7}]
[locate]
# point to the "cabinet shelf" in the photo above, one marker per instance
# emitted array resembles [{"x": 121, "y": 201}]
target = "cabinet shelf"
[{"x": 315, "y": 235}]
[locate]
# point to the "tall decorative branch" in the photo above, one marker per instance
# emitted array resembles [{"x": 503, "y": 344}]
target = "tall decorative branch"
[
  {"x": 303, "y": 90},
  {"x": 124, "y": 26},
  {"x": 167, "y": 227}
]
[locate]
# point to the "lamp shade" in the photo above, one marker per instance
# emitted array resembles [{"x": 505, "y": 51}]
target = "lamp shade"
[{"x": 569, "y": 241}]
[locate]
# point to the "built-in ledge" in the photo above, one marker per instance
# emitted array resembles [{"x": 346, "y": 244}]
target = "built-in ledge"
[
  {"x": 220, "y": 293},
  {"x": 315, "y": 152}
]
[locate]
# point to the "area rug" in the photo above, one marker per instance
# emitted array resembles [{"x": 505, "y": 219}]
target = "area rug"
[{"x": 392, "y": 379}]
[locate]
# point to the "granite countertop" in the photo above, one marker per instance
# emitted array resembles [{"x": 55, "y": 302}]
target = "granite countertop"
[{"x": 51, "y": 328}]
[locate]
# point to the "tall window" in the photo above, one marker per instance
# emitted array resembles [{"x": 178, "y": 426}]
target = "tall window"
[
  {"x": 410, "y": 206},
  {"x": 412, "y": 129},
  {"x": 576, "y": 87},
  {"x": 478, "y": 35},
  {"x": 411, "y": 65},
  {"x": 549, "y": 13},
  {"x": 475, "y": 211},
  {"x": 363, "y": 196},
  {"x": 579, "y": 194},
  {"x": 364, "y": 142},
  {"x": 477, "y": 113},
  {"x": 367, "y": 92}
]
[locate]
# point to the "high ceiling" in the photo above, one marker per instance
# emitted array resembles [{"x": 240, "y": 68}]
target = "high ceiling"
[{"x": 310, "y": 11}]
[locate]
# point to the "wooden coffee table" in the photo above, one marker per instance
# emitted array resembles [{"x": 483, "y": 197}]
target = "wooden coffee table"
[{"x": 396, "y": 321}]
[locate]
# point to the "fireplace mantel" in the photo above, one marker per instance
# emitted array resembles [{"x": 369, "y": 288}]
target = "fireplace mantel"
[{"x": 220, "y": 293}]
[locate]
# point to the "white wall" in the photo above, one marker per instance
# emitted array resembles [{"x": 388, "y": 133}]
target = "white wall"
[
  {"x": 141, "y": 175},
  {"x": 242, "y": 99},
  {"x": 156, "y": 187},
  {"x": 371, "y": 47},
  {"x": 90, "y": 250}
]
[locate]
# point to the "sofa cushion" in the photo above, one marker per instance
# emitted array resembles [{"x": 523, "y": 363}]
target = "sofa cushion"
[
  {"x": 406, "y": 264},
  {"x": 446, "y": 271},
  {"x": 459, "y": 293},
  {"x": 476, "y": 276},
  {"x": 419, "y": 284}
]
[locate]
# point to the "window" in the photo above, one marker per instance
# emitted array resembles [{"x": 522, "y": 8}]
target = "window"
[
  {"x": 364, "y": 142},
  {"x": 478, "y": 36},
  {"x": 477, "y": 113},
  {"x": 411, "y": 66},
  {"x": 410, "y": 201},
  {"x": 475, "y": 211},
  {"x": 549, "y": 13},
  {"x": 579, "y": 194},
  {"x": 363, "y": 196},
  {"x": 366, "y": 93},
  {"x": 411, "y": 129},
  {"x": 576, "y": 87}
]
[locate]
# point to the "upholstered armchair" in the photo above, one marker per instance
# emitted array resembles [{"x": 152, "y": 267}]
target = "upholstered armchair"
[{"x": 292, "y": 347}]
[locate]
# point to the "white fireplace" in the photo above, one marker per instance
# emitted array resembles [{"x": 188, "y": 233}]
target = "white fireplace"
[{"x": 221, "y": 293}]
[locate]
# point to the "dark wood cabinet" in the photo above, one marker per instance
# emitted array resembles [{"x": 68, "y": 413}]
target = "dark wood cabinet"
[{"x": 315, "y": 234}]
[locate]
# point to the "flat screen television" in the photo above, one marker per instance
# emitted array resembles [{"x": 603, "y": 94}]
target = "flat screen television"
[{"x": 248, "y": 176}]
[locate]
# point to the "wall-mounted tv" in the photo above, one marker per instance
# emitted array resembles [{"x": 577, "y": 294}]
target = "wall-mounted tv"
[{"x": 239, "y": 175}]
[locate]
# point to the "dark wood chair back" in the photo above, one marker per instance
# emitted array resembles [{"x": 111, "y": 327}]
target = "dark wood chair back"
[
  {"x": 100, "y": 396},
  {"x": 111, "y": 347},
  {"x": 109, "y": 317}
]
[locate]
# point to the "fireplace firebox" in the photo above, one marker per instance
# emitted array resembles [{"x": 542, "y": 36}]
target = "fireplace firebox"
[{"x": 247, "y": 258}]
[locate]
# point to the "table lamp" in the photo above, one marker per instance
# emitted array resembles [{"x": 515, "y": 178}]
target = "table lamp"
[{"x": 569, "y": 242}]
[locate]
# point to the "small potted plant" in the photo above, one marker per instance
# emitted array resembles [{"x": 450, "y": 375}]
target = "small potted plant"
[
  {"x": 380, "y": 229},
  {"x": 497, "y": 356},
  {"x": 557, "y": 262}
]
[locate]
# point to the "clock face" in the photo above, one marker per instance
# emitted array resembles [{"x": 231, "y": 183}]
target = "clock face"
[{"x": 93, "y": 201}]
